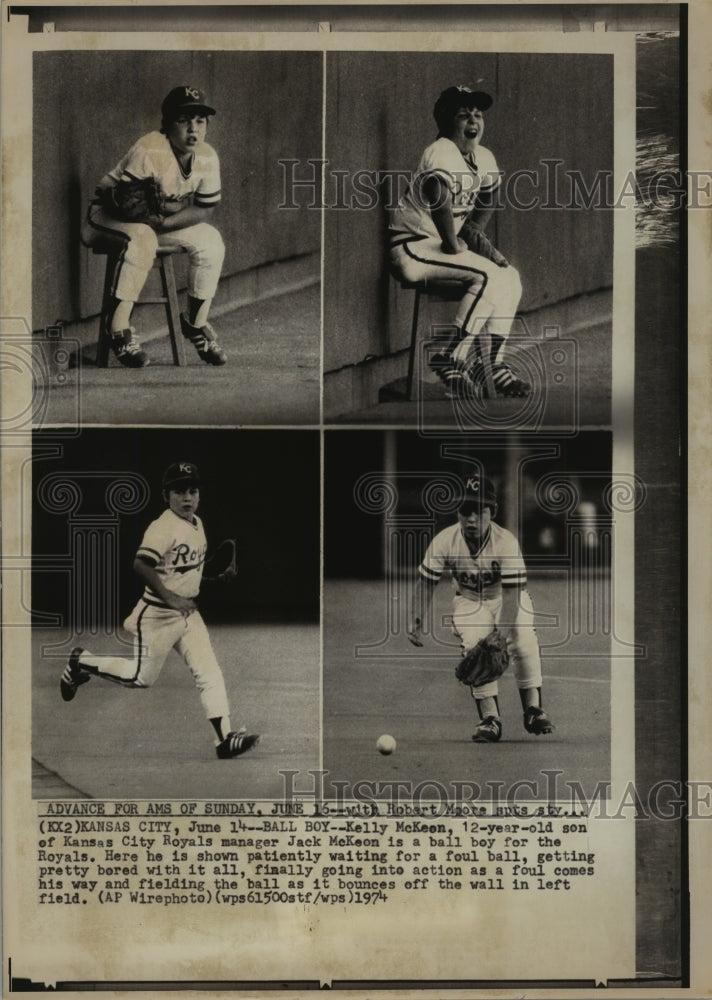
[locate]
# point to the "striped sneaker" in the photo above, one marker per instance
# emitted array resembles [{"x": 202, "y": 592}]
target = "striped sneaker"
[
  {"x": 235, "y": 744},
  {"x": 536, "y": 721},
  {"x": 204, "y": 340},
  {"x": 506, "y": 382},
  {"x": 73, "y": 675},
  {"x": 127, "y": 349},
  {"x": 488, "y": 731},
  {"x": 457, "y": 384}
]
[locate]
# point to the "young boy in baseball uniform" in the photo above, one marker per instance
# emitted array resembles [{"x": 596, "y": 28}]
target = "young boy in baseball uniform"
[
  {"x": 489, "y": 579},
  {"x": 450, "y": 195},
  {"x": 169, "y": 562},
  {"x": 188, "y": 170}
]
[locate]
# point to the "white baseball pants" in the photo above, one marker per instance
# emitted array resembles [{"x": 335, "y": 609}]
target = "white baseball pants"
[
  {"x": 138, "y": 244},
  {"x": 157, "y": 631},
  {"x": 473, "y": 620},
  {"x": 492, "y": 296}
]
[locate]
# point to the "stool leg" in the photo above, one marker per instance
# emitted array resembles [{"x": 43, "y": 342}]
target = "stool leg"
[
  {"x": 168, "y": 281},
  {"x": 413, "y": 345},
  {"x": 102, "y": 344},
  {"x": 485, "y": 340}
]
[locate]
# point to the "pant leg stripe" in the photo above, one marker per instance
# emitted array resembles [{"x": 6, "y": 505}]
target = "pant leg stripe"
[
  {"x": 453, "y": 267},
  {"x": 139, "y": 658},
  {"x": 113, "y": 236}
]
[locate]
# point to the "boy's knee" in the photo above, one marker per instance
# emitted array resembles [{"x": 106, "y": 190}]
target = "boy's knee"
[
  {"x": 206, "y": 238},
  {"x": 489, "y": 690},
  {"x": 523, "y": 643},
  {"x": 142, "y": 246},
  {"x": 215, "y": 245}
]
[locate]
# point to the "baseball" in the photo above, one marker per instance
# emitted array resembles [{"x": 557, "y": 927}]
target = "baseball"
[{"x": 385, "y": 745}]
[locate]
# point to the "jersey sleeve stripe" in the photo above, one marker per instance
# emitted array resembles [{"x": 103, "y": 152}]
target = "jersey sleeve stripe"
[
  {"x": 149, "y": 554},
  {"x": 212, "y": 198},
  {"x": 429, "y": 574}
]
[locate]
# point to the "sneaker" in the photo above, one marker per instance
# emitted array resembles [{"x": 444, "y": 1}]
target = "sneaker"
[
  {"x": 488, "y": 731},
  {"x": 204, "y": 340},
  {"x": 127, "y": 349},
  {"x": 506, "y": 382},
  {"x": 235, "y": 744},
  {"x": 457, "y": 384},
  {"x": 537, "y": 721},
  {"x": 73, "y": 675}
]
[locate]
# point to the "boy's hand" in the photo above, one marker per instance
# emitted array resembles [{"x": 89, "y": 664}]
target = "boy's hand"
[
  {"x": 186, "y": 605},
  {"x": 459, "y": 246},
  {"x": 222, "y": 565},
  {"x": 485, "y": 662},
  {"x": 476, "y": 241},
  {"x": 137, "y": 201}
]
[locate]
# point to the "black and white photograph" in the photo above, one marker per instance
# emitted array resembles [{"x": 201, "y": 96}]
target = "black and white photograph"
[
  {"x": 170, "y": 588},
  {"x": 508, "y": 546},
  {"x": 181, "y": 288},
  {"x": 354, "y": 555},
  {"x": 478, "y": 212}
]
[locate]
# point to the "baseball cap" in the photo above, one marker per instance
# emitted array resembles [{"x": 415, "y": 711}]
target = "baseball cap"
[
  {"x": 181, "y": 472},
  {"x": 454, "y": 98},
  {"x": 477, "y": 489},
  {"x": 185, "y": 99}
]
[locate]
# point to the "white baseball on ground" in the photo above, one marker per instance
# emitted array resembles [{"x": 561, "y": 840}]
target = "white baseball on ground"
[{"x": 385, "y": 744}]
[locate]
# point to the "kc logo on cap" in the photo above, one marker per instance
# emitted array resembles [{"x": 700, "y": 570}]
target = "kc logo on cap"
[
  {"x": 181, "y": 472},
  {"x": 185, "y": 98},
  {"x": 479, "y": 489}
]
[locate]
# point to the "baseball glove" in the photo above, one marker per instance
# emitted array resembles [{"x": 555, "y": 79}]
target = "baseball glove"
[
  {"x": 473, "y": 234},
  {"x": 222, "y": 565},
  {"x": 485, "y": 662},
  {"x": 140, "y": 200}
]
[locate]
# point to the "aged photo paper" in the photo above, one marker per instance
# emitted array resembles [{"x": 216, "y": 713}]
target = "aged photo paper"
[{"x": 405, "y": 347}]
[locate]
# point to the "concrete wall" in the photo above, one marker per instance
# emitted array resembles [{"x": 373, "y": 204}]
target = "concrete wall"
[
  {"x": 89, "y": 107},
  {"x": 379, "y": 119}
]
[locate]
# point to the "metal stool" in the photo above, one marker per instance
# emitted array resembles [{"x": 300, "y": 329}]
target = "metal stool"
[
  {"x": 442, "y": 291},
  {"x": 164, "y": 262}
]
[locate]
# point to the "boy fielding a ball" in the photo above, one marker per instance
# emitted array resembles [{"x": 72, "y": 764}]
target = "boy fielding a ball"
[{"x": 489, "y": 577}]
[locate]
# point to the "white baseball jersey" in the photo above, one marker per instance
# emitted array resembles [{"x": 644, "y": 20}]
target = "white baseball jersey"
[
  {"x": 176, "y": 549},
  {"x": 152, "y": 155},
  {"x": 466, "y": 178},
  {"x": 479, "y": 575}
]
